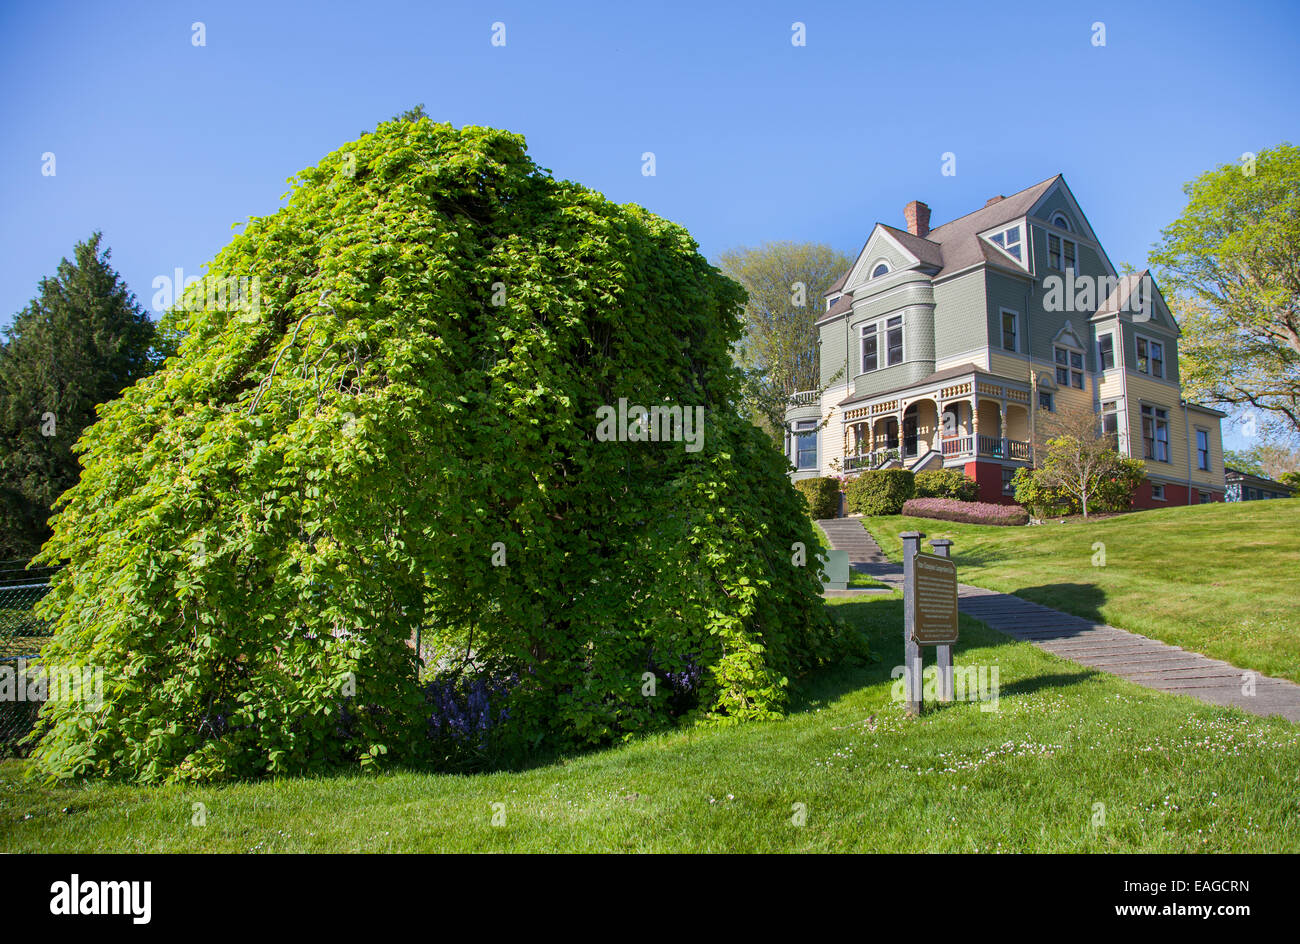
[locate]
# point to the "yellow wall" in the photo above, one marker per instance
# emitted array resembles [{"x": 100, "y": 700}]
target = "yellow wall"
[{"x": 1142, "y": 390}]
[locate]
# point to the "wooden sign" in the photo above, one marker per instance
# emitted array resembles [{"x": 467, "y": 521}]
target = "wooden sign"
[{"x": 934, "y": 602}]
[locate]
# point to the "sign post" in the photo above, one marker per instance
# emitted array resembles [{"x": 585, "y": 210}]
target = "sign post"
[{"x": 929, "y": 615}]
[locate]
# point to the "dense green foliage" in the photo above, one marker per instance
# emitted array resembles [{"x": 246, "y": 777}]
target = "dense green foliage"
[
  {"x": 881, "y": 492},
  {"x": 946, "y": 483},
  {"x": 822, "y": 495},
  {"x": 1112, "y": 489},
  {"x": 401, "y": 437},
  {"x": 1230, "y": 260},
  {"x": 77, "y": 344}
]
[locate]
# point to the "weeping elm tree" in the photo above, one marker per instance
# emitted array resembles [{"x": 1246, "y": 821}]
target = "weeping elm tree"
[{"x": 400, "y": 439}]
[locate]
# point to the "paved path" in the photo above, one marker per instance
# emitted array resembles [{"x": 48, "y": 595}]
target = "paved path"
[{"x": 1139, "y": 659}]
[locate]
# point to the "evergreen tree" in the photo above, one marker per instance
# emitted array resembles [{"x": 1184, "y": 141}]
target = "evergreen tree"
[{"x": 77, "y": 344}]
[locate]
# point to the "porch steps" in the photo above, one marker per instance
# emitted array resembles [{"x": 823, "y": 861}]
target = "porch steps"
[{"x": 1147, "y": 662}]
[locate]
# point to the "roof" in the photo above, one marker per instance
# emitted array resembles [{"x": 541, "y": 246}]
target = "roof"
[
  {"x": 961, "y": 246},
  {"x": 948, "y": 373},
  {"x": 1229, "y": 471},
  {"x": 928, "y": 251}
]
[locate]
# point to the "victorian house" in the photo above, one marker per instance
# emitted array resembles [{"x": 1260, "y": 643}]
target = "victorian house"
[{"x": 952, "y": 346}]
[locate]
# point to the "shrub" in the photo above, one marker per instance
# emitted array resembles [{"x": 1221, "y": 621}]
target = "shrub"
[
  {"x": 822, "y": 495},
  {"x": 1039, "y": 499},
  {"x": 882, "y": 492},
  {"x": 949, "y": 509},
  {"x": 1115, "y": 491},
  {"x": 420, "y": 392},
  {"x": 946, "y": 483}
]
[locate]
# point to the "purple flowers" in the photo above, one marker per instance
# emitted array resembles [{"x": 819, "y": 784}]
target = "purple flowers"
[
  {"x": 463, "y": 710},
  {"x": 950, "y": 509}
]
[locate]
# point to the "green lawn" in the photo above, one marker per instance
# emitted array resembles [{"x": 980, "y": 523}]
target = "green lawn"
[
  {"x": 1223, "y": 580},
  {"x": 1173, "y": 775}
]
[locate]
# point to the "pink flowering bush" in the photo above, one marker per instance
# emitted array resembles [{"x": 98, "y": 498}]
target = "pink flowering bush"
[{"x": 950, "y": 509}]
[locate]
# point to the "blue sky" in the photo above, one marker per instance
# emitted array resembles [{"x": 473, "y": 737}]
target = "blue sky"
[{"x": 163, "y": 145}]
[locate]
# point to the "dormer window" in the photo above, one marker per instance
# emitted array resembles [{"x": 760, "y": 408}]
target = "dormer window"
[
  {"x": 879, "y": 270},
  {"x": 1009, "y": 241},
  {"x": 830, "y": 302}
]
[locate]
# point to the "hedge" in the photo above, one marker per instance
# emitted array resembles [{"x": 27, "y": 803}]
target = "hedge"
[
  {"x": 946, "y": 483},
  {"x": 822, "y": 495},
  {"x": 882, "y": 492},
  {"x": 948, "y": 509}
]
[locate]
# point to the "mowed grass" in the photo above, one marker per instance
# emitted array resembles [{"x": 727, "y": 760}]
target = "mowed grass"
[
  {"x": 1222, "y": 580},
  {"x": 1071, "y": 760}
]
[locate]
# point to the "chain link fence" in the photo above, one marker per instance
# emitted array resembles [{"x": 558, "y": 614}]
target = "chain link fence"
[{"x": 22, "y": 634}]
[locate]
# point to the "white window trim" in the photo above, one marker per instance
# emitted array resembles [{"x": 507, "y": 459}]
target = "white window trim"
[
  {"x": 881, "y": 324},
  {"x": 1209, "y": 461},
  {"x": 1164, "y": 353},
  {"x": 1021, "y": 241},
  {"x": 1072, "y": 370},
  {"x": 871, "y": 273},
  {"x": 1061, "y": 221},
  {"x": 1161, "y": 496},
  {"x": 794, "y": 442},
  {"x": 1001, "y": 343},
  {"x": 1114, "y": 350},
  {"x": 1168, "y": 440},
  {"x": 1063, "y": 240}
]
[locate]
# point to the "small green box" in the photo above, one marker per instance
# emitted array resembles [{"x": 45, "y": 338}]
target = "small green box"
[{"x": 835, "y": 574}]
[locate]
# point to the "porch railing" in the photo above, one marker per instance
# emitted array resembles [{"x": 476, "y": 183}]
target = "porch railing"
[
  {"x": 996, "y": 447},
  {"x": 869, "y": 461},
  {"x": 803, "y": 398}
]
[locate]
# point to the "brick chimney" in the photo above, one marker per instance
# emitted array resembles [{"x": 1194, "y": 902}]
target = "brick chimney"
[
  {"x": 993, "y": 200},
  {"x": 917, "y": 215}
]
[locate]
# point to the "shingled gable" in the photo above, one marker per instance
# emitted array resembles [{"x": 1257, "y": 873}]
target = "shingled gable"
[{"x": 959, "y": 238}]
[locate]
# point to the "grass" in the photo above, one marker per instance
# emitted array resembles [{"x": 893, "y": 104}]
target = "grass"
[
  {"x": 1174, "y": 776},
  {"x": 1222, "y": 580}
]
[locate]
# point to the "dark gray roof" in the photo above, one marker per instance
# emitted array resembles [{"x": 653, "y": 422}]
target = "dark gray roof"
[
  {"x": 929, "y": 252},
  {"x": 948, "y": 373},
  {"x": 961, "y": 246}
]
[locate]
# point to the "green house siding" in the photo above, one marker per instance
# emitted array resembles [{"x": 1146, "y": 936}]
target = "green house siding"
[{"x": 960, "y": 311}]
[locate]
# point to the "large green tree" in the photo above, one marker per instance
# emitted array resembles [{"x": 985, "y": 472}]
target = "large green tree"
[
  {"x": 77, "y": 344},
  {"x": 784, "y": 282},
  {"x": 408, "y": 436},
  {"x": 1233, "y": 261}
]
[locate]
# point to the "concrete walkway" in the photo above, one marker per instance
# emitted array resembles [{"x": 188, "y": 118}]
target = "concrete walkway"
[{"x": 1139, "y": 659}]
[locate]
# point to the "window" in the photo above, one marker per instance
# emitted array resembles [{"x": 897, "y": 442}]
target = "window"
[
  {"x": 894, "y": 340},
  {"x": 869, "y": 361},
  {"x": 1203, "y": 449},
  {"x": 1009, "y": 240},
  {"x": 1009, "y": 319},
  {"x": 1204, "y": 497},
  {"x": 1007, "y": 487},
  {"x": 1061, "y": 220},
  {"x": 805, "y": 448},
  {"x": 1155, "y": 433},
  {"x": 830, "y": 302},
  {"x": 1151, "y": 357},
  {"x": 1062, "y": 253},
  {"x": 1157, "y": 492},
  {"x": 1110, "y": 417},
  {"x": 1045, "y": 401},
  {"x": 1069, "y": 367},
  {"x": 893, "y": 344},
  {"x": 878, "y": 271},
  {"x": 1105, "y": 352}
]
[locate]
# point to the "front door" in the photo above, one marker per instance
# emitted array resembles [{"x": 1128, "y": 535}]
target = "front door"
[{"x": 909, "y": 433}]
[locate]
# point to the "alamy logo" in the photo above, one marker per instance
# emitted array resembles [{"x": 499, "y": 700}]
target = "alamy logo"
[
  {"x": 76, "y": 897},
  {"x": 659, "y": 423},
  {"x": 1087, "y": 293}
]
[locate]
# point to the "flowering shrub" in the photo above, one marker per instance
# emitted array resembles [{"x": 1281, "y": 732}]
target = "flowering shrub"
[{"x": 949, "y": 509}]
